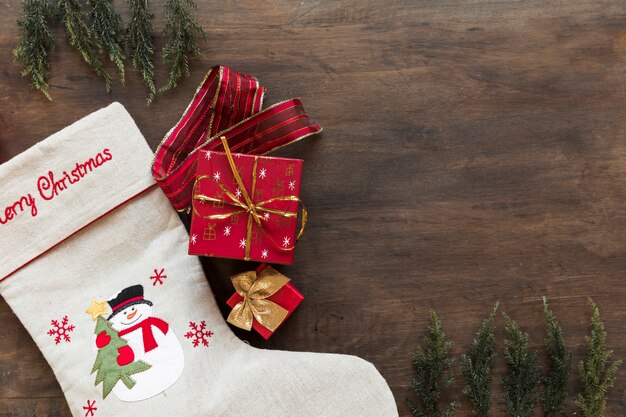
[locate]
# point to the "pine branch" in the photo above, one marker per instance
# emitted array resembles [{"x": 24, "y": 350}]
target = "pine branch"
[
  {"x": 524, "y": 374},
  {"x": 596, "y": 371},
  {"x": 182, "y": 31},
  {"x": 559, "y": 366},
  {"x": 106, "y": 26},
  {"x": 80, "y": 37},
  {"x": 35, "y": 44},
  {"x": 139, "y": 43},
  {"x": 477, "y": 366},
  {"x": 435, "y": 372},
  {"x": 56, "y": 15}
]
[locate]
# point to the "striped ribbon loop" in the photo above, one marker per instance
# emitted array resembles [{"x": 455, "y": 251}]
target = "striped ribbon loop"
[{"x": 229, "y": 104}]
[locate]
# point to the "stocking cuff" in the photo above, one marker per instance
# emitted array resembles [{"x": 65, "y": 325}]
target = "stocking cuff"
[{"x": 67, "y": 181}]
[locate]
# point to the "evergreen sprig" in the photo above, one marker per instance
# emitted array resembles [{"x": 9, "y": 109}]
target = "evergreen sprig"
[
  {"x": 80, "y": 37},
  {"x": 107, "y": 29},
  {"x": 524, "y": 373},
  {"x": 182, "y": 31},
  {"x": 35, "y": 44},
  {"x": 139, "y": 43},
  {"x": 435, "y": 372},
  {"x": 100, "y": 30},
  {"x": 559, "y": 366},
  {"x": 477, "y": 366},
  {"x": 596, "y": 371}
]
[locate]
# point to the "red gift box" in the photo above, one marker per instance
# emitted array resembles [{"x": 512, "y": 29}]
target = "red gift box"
[
  {"x": 222, "y": 224},
  {"x": 288, "y": 297}
]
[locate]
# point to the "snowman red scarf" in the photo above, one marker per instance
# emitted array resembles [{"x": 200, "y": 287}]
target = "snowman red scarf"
[
  {"x": 149, "y": 342},
  {"x": 112, "y": 236}
]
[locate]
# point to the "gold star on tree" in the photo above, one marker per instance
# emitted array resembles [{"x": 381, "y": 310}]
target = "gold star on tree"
[{"x": 98, "y": 308}]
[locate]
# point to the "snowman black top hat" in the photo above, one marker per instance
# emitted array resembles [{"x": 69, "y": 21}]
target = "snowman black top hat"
[{"x": 127, "y": 297}]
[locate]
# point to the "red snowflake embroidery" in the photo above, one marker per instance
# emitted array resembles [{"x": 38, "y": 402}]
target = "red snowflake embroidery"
[
  {"x": 198, "y": 333},
  {"x": 158, "y": 277},
  {"x": 89, "y": 408},
  {"x": 61, "y": 330}
]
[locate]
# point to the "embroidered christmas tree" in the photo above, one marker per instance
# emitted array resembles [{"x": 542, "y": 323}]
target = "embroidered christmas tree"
[{"x": 114, "y": 361}]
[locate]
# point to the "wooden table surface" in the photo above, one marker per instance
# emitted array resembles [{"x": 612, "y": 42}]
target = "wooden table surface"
[{"x": 473, "y": 151}]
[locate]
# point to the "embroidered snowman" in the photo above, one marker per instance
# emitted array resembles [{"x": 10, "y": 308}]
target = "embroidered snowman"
[{"x": 150, "y": 340}]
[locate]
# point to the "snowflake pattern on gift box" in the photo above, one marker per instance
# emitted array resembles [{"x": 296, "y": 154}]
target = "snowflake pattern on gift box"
[
  {"x": 198, "y": 334},
  {"x": 61, "y": 331},
  {"x": 194, "y": 239},
  {"x": 207, "y": 155},
  {"x": 158, "y": 277},
  {"x": 274, "y": 178},
  {"x": 90, "y": 408}
]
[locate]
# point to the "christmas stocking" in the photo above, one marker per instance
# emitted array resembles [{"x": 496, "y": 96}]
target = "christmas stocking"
[{"x": 93, "y": 261}]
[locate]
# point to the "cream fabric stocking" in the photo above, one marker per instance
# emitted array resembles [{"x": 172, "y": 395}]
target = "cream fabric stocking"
[{"x": 92, "y": 254}]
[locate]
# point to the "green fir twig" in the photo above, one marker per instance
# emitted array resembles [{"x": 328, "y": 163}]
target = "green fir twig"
[
  {"x": 81, "y": 39},
  {"x": 597, "y": 371},
  {"x": 559, "y": 366},
  {"x": 477, "y": 366},
  {"x": 182, "y": 31},
  {"x": 139, "y": 43},
  {"x": 107, "y": 29},
  {"x": 524, "y": 373},
  {"x": 35, "y": 44},
  {"x": 435, "y": 372}
]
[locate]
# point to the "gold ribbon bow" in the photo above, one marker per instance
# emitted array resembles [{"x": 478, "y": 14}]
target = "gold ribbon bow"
[
  {"x": 247, "y": 205},
  {"x": 255, "y": 289}
]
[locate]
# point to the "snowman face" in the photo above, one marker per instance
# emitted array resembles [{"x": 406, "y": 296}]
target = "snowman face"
[{"x": 131, "y": 315}]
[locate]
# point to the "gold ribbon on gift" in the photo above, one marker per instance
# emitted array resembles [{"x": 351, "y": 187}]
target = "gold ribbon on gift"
[
  {"x": 247, "y": 205},
  {"x": 255, "y": 289}
]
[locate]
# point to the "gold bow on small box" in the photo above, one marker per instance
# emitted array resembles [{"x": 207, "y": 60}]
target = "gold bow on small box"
[{"x": 255, "y": 289}]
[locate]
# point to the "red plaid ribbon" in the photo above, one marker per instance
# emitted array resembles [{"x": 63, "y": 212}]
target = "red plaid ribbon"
[{"x": 225, "y": 104}]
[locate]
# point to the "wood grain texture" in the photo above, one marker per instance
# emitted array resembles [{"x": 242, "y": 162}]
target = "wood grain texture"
[{"x": 473, "y": 151}]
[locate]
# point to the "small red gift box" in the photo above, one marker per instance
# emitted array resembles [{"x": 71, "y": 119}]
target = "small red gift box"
[
  {"x": 287, "y": 297},
  {"x": 256, "y": 223}
]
